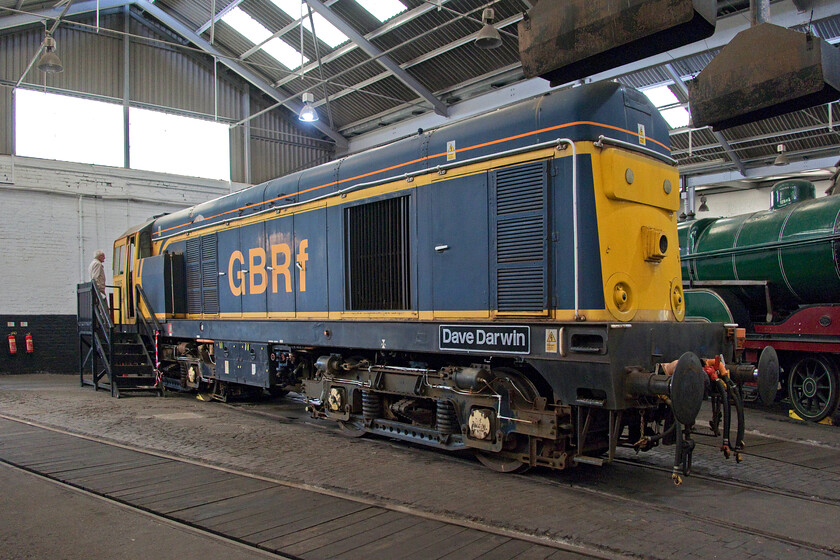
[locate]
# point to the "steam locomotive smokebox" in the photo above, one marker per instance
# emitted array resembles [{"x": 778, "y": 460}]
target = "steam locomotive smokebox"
[
  {"x": 569, "y": 40},
  {"x": 763, "y": 72}
]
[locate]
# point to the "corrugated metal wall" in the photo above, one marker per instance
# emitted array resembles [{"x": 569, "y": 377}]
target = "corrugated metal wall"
[
  {"x": 165, "y": 76},
  {"x": 161, "y": 76},
  {"x": 277, "y": 147}
]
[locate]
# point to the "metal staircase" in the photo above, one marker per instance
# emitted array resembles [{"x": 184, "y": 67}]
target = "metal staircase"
[{"x": 115, "y": 357}]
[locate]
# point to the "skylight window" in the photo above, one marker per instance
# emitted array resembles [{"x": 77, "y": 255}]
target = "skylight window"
[
  {"x": 669, "y": 106},
  {"x": 677, "y": 117},
  {"x": 661, "y": 96},
  {"x": 382, "y": 9},
  {"x": 250, "y": 28},
  {"x": 324, "y": 30},
  {"x": 291, "y": 7},
  {"x": 256, "y": 32},
  {"x": 327, "y": 32},
  {"x": 284, "y": 53}
]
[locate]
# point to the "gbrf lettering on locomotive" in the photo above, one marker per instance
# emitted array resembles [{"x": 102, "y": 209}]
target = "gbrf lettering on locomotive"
[{"x": 509, "y": 284}]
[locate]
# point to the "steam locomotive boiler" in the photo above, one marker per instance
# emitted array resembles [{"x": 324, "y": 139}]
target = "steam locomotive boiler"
[
  {"x": 508, "y": 284},
  {"x": 776, "y": 273}
]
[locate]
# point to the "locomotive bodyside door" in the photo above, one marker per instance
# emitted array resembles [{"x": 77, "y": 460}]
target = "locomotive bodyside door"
[
  {"x": 128, "y": 285},
  {"x": 118, "y": 305}
]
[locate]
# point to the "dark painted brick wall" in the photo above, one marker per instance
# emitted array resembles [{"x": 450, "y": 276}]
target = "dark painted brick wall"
[{"x": 55, "y": 342}]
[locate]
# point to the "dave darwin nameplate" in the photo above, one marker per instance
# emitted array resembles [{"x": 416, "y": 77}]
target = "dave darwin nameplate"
[{"x": 499, "y": 339}]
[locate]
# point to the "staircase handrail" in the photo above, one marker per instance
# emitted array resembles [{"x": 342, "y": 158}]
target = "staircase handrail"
[
  {"x": 139, "y": 311},
  {"x": 101, "y": 310},
  {"x": 150, "y": 330}
]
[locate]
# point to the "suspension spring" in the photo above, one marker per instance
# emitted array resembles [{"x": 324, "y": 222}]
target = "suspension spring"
[
  {"x": 371, "y": 405},
  {"x": 447, "y": 422}
]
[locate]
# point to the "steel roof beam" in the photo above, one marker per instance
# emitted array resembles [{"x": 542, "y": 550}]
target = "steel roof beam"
[
  {"x": 375, "y": 52},
  {"x": 255, "y": 79},
  {"x": 419, "y": 60},
  {"x": 17, "y": 20},
  {"x": 776, "y": 137},
  {"x": 392, "y": 24},
  {"x": 761, "y": 172},
  {"x": 218, "y": 15}
]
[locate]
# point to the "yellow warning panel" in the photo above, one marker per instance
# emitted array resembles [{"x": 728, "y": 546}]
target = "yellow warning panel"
[
  {"x": 551, "y": 341},
  {"x": 450, "y": 150}
]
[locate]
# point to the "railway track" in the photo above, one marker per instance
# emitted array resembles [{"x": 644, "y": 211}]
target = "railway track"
[
  {"x": 750, "y": 490},
  {"x": 87, "y": 472},
  {"x": 251, "y": 550}
]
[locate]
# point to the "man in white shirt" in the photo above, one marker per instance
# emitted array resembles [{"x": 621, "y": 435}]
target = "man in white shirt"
[{"x": 97, "y": 271}]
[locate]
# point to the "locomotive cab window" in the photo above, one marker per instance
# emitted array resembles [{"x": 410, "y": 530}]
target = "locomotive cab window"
[
  {"x": 377, "y": 261},
  {"x": 118, "y": 259}
]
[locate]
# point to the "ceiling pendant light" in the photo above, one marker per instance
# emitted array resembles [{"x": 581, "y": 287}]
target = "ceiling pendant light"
[
  {"x": 703, "y": 206},
  {"x": 488, "y": 37},
  {"x": 49, "y": 62},
  {"x": 308, "y": 112},
  {"x": 781, "y": 159}
]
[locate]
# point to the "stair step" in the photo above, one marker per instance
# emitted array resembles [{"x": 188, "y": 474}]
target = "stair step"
[
  {"x": 128, "y": 347},
  {"x": 132, "y": 370}
]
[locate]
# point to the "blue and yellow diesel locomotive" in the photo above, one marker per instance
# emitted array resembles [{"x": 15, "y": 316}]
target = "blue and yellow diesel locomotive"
[{"x": 510, "y": 283}]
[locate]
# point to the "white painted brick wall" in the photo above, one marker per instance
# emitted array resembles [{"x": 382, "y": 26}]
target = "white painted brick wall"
[{"x": 54, "y": 215}]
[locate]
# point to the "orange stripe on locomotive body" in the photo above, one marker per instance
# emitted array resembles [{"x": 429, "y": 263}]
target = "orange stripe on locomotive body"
[{"x": 577, "y": 114}]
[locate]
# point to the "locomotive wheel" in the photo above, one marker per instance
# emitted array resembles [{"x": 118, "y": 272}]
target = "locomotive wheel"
[
  {"x": 500, "y": 463},
  {"x": 351, "y": 428},
  {"x": 812, "y": 387},
  {"x": 522, "y": 394}
]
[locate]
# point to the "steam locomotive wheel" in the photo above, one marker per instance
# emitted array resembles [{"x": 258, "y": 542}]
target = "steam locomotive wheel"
[
  {"x": 522, "y": 394},
  {"x": 813, "y": 387}
]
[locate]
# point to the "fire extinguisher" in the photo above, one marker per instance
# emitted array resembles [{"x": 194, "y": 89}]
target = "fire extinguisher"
[
  {"x": 30, "y": 346},
  {"x": 12, "y": 344}
]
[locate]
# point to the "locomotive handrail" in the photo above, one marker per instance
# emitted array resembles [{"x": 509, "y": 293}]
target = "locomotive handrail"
[
  {"x": 622, "y": 144},
  {"x": 574, "y": 222},
  {"x": 404, "y": 176},
  {"x": 151, "y": 331},
  {"x": 139, "y": 312}
]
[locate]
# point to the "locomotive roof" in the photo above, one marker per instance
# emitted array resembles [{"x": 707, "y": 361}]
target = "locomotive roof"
[{"x": 582, "y": 113}]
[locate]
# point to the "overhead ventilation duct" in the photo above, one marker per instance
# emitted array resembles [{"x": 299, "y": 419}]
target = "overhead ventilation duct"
[
  {"x": 573, "y": 39},
  {"x": 763, "y": 72}
]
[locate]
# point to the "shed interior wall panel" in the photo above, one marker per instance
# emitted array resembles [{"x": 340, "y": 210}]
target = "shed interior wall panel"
[{"x": 56, "y": 214}]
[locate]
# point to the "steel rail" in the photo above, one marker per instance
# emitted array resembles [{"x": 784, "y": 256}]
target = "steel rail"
[{"x": 331, "y": 492}]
